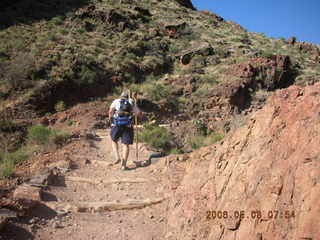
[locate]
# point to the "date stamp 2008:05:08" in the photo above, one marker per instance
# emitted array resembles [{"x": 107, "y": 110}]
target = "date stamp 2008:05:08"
[{"x": 254, "y": 214}]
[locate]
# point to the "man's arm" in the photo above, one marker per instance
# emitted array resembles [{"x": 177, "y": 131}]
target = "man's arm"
[
  {"x": 112, "y": 110},
  {"x": 110, "y": 113}
]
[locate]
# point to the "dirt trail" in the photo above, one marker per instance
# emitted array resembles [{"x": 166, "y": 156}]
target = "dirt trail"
[{"x": 141, "y": 223}]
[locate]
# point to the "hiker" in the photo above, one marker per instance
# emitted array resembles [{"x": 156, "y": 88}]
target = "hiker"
[{"x": 121, "y": 117}]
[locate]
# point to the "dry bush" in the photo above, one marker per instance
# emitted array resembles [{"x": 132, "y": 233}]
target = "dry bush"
[{"x": 20, "y": 73}]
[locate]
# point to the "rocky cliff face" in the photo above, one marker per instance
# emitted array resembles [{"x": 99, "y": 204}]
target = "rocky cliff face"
[
  {"x": 268, "y": 167},
  {"x": 186, "y": 3}
]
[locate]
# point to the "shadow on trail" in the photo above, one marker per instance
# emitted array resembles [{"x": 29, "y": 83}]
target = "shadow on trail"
[
  {"x": 13, "y": 232},
  {"x": 13, "y": 12},
  {"x": 43, "y": 212},
  {"x": 153, "y": 158}
]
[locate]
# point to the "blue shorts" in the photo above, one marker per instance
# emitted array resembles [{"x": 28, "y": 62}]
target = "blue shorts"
[{"x": 123, "y": 132}]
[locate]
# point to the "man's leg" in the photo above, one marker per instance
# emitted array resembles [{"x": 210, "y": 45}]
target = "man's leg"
[
  {"x": 115, "y": 135},
  {"x": 115, "y": 148},
  {"x": 125, "y": 155},
  {"x": 127, "y": 139}
]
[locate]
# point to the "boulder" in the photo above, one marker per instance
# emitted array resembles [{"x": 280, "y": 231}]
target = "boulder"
[
  {"x": 27, "y": 192},
  {"x": 172, "y": 29},
  {"x": 203, "y": 49}
]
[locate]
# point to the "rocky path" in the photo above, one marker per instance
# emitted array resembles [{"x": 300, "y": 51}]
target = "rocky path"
[{"x": 86, "y": 207}]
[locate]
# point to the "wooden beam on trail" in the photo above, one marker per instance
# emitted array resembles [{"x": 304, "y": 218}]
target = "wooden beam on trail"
[
  {"x": 103, "y": 206},
  {"x": 106, "y": 181}
]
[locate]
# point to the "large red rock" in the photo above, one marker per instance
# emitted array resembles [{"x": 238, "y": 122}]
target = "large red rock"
[
  {"x": 28, "y": 195},
  {"x": 271, "y": 166}
]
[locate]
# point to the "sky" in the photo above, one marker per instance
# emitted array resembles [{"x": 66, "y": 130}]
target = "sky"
[{"x": 275, "y": 18}]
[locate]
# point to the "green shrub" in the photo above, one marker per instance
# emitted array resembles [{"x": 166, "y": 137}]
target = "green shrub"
[
  {"x": 80, "y": 30},
  {"x": 60, "y": 138},
  {"x": 60, "y": 106},
  {"x": 39, "y": 134},
  {"x": 157, "y": 137},
  {"x": 200, "y": 126},
  {"x": 196, "y": 141},
  {"x": 7, "y": 125},
  {"x": 175, "y": 150},
  {"x": 57, "y": 20},
  {"x": 1, "y": 156},
  {"x": 6, "y": 169},
  {"x": 16, "y": 157},
  {"x": 214, "y": 138},
  {"x": 199, "y": 141},
  {"x": 202, "y": 91},
  {"x": 70, "y": 122},
  {"x": 20, "y": 73},
  {"x": 8, "y": 162},
  {"x": 44, "y": 136},
  {"x": 156, "y": 91},
  {"x": 64, "y": 31},
  {"x": 266, "y": 54}
]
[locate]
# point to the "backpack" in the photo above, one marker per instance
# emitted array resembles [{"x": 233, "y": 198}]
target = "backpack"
[
  {"x": 124, "y": 114},
  {"x": 125, "y": 108}
]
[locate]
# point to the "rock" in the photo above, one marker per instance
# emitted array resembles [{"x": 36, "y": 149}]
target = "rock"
[
  {"x": 5, "y": 214},
  {"x": 203, "y": 49},
  {"x": 183, "y": 158},
  {"x": 292, "y": 40},
  {"x": 42, "y": 180},
  {"x": 65, "y": 164},
  {"x": 259, "y": 168},
  {"x": 45, "y": 121},
  {"x": 55, "y": 225},
  {"x": 27, "y": 192},
  {"x": 34, "y": 220},
  {"x": 173, "y": 29},
  {"x": 186, "y": 3}
]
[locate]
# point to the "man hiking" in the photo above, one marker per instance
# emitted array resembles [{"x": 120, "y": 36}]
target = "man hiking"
[{"x": 121, "y": 117}]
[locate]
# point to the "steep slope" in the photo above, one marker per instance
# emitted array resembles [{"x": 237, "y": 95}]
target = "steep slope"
[
  {"x": 269, "y": 166},
  {"x": 73, "y": 50},
  {"x": 191, "y": 67}
]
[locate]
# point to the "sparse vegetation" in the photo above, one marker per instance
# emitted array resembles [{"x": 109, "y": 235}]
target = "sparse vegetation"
[
  {"x": 9, "y": 160},
  {"x": 20, "y": 73},
  {"x": 44, "y": 136},
  {"x": 198, "y": 141},
  {"x": 60, "y": 106},
  {"x": 157, "y": 137},
  {"x": 39, "y": 135},
  {"x": 156, "y": 91},
  {"x": 203, "y": 136},
  {"x": 70, "y": 122}
]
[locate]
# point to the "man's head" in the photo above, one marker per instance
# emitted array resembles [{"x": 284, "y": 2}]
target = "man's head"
[{"x": 125, "y": 94}]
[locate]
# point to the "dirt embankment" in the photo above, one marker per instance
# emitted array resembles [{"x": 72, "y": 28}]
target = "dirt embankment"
[{"x": 264, "y": 177}]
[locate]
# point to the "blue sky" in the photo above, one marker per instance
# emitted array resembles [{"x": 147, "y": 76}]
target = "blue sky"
[{"x": 275, "y": 18}]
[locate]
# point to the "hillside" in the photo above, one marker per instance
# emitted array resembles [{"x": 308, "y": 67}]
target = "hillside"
[
  {"x": 187, "y": 65},
  {"x": 239, "y": 97}
]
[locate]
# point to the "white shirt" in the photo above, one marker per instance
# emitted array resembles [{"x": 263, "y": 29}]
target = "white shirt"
[{"x": 116, "y": 104}]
